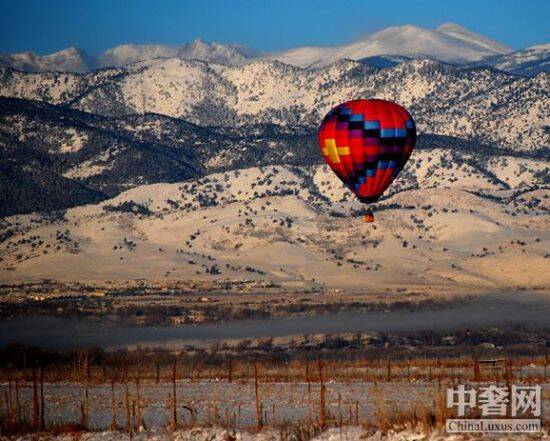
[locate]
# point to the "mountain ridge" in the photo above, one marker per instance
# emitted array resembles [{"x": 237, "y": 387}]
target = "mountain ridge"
[
  {"x": 462, "y": 33},
  {"x": 467, "y": 102},
  {"x": 449, "y": 42},
  {"x": 456, "y": 44},
  {"x": 107, "y": 155}
]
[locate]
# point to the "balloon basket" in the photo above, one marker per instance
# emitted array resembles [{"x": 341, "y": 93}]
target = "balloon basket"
[{"x": 369, "y": 217}]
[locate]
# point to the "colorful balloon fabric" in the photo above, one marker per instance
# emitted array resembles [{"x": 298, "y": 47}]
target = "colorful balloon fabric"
[{"x": 367, "y": 143}]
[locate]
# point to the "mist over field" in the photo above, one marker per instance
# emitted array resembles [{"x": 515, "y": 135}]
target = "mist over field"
[{"x": 520, "y": 309}]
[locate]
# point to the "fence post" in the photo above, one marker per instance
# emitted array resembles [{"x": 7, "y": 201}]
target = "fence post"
[
  {"x": 42, "y": 416},
  {"x": 138, "y": 400},
  {"x": 86, "y": 407},
  {"x": 35, "y": 403},
  {"x": 174, "y": 397},
  {"x": 477, "y": 372},
  {"x": 127, "y": 400},
  {"x": 17, "y": 401},
  {"x": 113, "y": 405},
  {"x": 322, "y": 398},
  {"x": 259, "y": 421}
]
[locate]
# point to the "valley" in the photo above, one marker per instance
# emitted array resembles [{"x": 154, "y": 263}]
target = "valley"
[{"x": 172, "y": 175}]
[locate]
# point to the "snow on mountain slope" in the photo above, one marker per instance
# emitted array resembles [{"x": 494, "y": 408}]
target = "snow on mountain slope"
[
  {"x": 132, "y": 53},
  {"x": 196, "y": 50},
  {"x": 76, "y": 60},
  {"x": 266, "y": 85},
  {"x": 216, "y": 53},
  {"x": 528, "y": 62},
  {"x": 461, "y": 33},
  {"x": 449, "y": 42},
  {"x": 291, "y": 226},
  {"x": 171, "y": 87},
  {"x": 476, "y": 103},
  {"x": 51, "y": 87},
  {"x": 69, "y": 60},
  {"x": 111, "y": 155}
]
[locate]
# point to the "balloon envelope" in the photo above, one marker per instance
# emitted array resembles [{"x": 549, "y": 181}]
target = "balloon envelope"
[{"x": 367, "y": 143}]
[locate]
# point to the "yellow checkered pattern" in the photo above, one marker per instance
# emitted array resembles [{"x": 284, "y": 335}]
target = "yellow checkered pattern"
[{"x": 330, "y": 150}]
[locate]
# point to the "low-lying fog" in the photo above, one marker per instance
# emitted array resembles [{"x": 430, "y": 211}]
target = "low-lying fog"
[{"x": 483, "y": 311}]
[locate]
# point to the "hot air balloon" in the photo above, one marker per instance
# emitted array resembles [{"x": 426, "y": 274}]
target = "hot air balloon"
[{"x": 367, "y": 143}]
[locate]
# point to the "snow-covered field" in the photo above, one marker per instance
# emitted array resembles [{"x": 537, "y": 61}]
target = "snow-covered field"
[
  {"x": 351, "y": 433},
  {"x": 219, "y": 403}
]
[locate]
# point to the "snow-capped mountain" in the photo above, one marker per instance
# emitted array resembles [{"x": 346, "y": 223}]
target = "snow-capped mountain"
[
  {"x": 449, "y": 42},
  {"x": 527, "y": 62},
  {"x": 69, "y": 60},
  {"x": 230, "y": 54},
  {"x": 197, "y": 50},
  {"x": 461, "y": 33},
  {"x": 472, "y": 103},
  {"x": 131, "y": 53},
  {"x": 76, "y": 60}
]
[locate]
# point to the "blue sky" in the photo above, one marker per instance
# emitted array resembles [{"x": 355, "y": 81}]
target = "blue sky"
[{"x": 45, "y": 26}]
